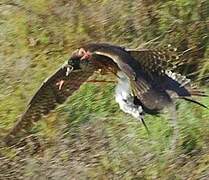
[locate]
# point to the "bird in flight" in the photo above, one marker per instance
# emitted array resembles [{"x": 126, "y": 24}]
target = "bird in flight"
[{"x": 147, "y": 82}]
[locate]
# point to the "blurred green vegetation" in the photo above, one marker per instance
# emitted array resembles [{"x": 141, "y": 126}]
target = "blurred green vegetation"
[{"x": 89, "y": 137}]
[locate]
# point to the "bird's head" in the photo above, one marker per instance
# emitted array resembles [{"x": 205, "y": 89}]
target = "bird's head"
[{"x": 80, "y": 59}]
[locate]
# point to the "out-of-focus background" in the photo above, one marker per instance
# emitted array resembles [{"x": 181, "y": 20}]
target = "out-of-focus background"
[{"x": 89, "y": 137}]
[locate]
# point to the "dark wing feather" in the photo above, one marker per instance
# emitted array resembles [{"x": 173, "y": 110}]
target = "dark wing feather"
[
  {"x": 47, "y": 98},
  {"x": 152, "y": 60},
  {"x": 152, "y": 96},
  {"x": 140, "y": 80},
  {"x": 150, "y": 73},
  {"x": 142, "y": 77},
  {"x": 156, "y": 70}
]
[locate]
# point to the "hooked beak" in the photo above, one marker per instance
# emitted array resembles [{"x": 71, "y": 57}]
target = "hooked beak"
[{"x": 69, "y": 70}]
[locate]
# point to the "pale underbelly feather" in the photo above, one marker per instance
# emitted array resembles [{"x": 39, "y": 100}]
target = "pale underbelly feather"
[{"x": 124, "y": 97}]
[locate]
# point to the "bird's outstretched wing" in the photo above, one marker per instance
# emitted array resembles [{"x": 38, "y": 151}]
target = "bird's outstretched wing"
[
  {"x": 53, "y": 92},
  {"x": 49, "y": 95},
  {"x": 157, "y": 73}
]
